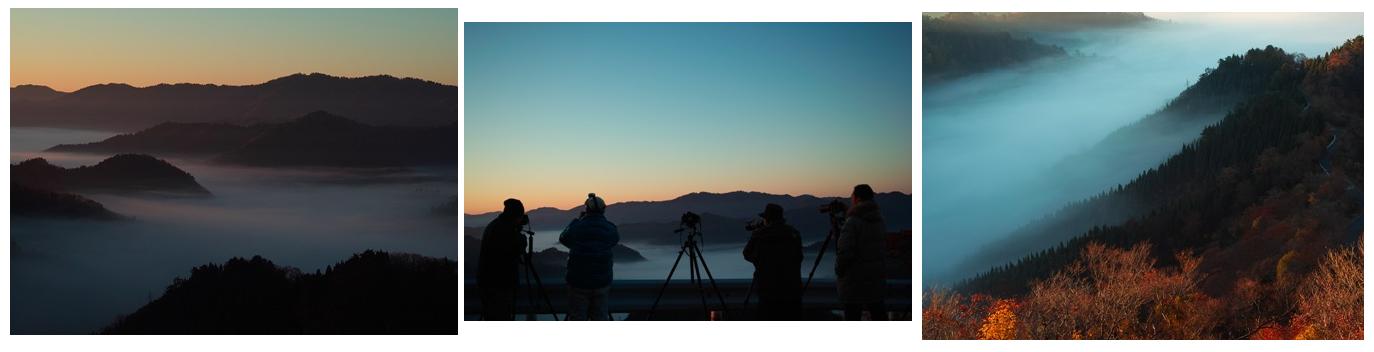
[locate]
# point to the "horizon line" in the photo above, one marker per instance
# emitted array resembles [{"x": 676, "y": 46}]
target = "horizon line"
[
  {"x": 235, "y": 85},
  {"x": 683, "y": 195}
]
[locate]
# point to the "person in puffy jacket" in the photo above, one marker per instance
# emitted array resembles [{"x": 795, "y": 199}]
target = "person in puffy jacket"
[
  {"x": 590, "y": 239},
  {"x": 775, "y": 248},
  {"x": 498, "y": 263},
  {"x": 859, "y": 258}
]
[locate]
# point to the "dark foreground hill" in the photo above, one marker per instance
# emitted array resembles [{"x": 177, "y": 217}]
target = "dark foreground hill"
[
  {"x": 27, "y": 201},
  {"x": 316, "y": 139},
  {"x": 119, "y": 173},
  {"x": 370, "y": 293},
  {"x": 378, "y": 100}
]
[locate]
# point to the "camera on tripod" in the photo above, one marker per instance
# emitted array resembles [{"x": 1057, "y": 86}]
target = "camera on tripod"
[
  {"x": 525, "y": 220},
  {"x": 689, "y": 220},
  {"x": 753, "y": 225},
  {"x": 835, "y": 208}
]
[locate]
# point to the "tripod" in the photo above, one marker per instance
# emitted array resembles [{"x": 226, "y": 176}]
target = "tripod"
[
  {"x": 696, "y": 265},
  {"x": 834, "y": 234},
  {"x": 527, "y": 261}
]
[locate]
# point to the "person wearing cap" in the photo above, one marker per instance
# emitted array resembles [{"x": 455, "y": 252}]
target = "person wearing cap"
[
  {"x": 775, "y": 248},
  {"x": 498, "y": 263},
  {"x": 859, "y": 258},
  {"x": 589, "y": 239}
]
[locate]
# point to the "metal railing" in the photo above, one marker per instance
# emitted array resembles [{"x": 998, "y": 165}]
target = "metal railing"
[{"x": 630, "y": 296}]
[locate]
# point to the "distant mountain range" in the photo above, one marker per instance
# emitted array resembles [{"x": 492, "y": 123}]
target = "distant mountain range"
[
  {"x": 377, "y": 100},
  {"x": 723, "y": 215},
  {"x": 120, "y": 173},
  {"x": 956, "y": 44},
  {"x": 1046, "y": 21},
  {"x": 315, "y": 139}
]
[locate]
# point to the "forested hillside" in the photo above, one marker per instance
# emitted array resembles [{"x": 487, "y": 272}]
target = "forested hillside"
[{"x": 1251, "y": 231}]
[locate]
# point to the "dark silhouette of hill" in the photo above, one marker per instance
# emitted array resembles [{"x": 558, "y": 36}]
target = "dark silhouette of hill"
[
  {"x": 172, "y": 139},
  {"x": 39, "y": 203},
  {"x": 728, "y": 210},
  {"x": 34, "y": 93},
  {"x": 961, "y": 43},
  {"x": 370, "y": 293},
  {"x": 119, "y": 173},
  {"x": 950, "y": 49},
  {"x": 315, "y": 139},
  {"x": 1274, "y": 184},
  {"x": 1047, "y": 21},
  {"x": 377, "y": 100}
]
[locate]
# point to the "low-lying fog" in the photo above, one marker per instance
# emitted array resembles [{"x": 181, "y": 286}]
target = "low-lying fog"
[
  {"x": 725, "y": 261},
  {"x": 986, "y": 138},
  {"x": 77, "y": 276}
]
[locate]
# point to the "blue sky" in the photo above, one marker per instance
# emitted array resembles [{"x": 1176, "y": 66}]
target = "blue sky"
[{"x": 651, "y": 111}]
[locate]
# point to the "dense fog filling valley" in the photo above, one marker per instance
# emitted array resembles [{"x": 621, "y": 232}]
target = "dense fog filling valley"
[
  {"x": 992, "y": 142},
  {"x": 78, "y": 276}
]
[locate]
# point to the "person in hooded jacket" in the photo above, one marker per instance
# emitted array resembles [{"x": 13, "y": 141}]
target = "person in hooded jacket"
[
  {"x": 775, "y": 248},
  {"x": 590, "y": 239},
  {"x": 498, "y": 266},
  {"x": 859, "y": 267}
]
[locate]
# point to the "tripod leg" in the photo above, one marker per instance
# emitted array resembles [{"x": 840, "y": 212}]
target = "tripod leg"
[
  {"x": 820, "y": 254},
  {"x": 654, "y": 307},
  {"x": 542, "y": 292},
  {"x": 719, "y": 296},
  {"x": 526, "y": 287},
  {"x": 696, "y": 281}
]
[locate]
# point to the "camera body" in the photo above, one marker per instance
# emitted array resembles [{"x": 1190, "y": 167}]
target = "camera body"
[
  {"x": 754, "y": 225},
  {"x": 524, "y": 225},
  {"x": 835, "y": 208},
  {"x": 689, "y": 220}
]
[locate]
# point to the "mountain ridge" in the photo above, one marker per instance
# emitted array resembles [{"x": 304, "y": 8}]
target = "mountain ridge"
[
  {"x": 377, "y": 99},
  {"x": 318, "y": 138}
]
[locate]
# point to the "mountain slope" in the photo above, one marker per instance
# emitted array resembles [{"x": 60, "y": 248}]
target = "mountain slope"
[
  {"x": 32, "y": 202},
  {"x": 34, "y": 93},
  {"x": 1280, "y": 174},
  {"x": 1047, "y": 21},
  {"x": 378, "y": 100},
  {"x": 315, "y": 139},
  {"x": 1129, "y": 151},
  {"x": 119, "y": 173},
  {"x": 950, "y": 50}
]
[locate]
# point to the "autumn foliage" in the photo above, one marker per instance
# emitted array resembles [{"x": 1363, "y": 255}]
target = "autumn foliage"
[
  {"x": 1253, "y": 231},
  {"x": 1113, "y": 293}
]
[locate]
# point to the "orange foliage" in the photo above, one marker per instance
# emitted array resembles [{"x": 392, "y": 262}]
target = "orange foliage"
[
  {"x": 1001, "y": 321},
  {"x": 1331, "y": 301}
]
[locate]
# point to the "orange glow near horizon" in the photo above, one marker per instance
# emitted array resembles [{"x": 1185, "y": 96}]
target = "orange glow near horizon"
[
  {"x": 69, "y": 49},
  {"x": 536, "y": 195}
]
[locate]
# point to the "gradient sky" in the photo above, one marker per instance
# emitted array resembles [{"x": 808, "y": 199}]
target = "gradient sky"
[
  {"x": 653, "y": 111},
  {"x": 68, "y": 49}
]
